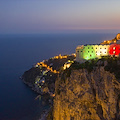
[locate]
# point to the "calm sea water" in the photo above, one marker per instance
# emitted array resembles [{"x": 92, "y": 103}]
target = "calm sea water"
[{"x": 17, "y": 54}]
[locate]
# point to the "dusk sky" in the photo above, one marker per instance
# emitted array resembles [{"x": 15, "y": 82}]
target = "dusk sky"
[{"x": 40, "y": 16}]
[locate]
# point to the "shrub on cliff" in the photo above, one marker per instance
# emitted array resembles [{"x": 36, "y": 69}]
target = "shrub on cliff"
[
  {"x": 89, "y": 65},
  {"x": 113, "y": 67}
]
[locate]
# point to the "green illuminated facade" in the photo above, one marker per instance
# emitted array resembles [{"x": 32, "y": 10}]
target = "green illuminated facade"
[{"x": 87, "y": 52}]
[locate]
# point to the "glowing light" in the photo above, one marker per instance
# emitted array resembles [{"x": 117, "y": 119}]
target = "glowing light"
[
  {"x": 113, "y": 48},
  {"x": 42, "y": 64},
  {"x": 67, "y": 65}
]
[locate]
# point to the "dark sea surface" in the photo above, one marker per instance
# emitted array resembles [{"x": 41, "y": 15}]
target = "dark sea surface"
[{"x": 19, "y": 53}]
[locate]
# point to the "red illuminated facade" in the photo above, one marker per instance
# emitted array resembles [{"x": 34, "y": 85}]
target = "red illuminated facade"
[{"x": 114, "y": 49}]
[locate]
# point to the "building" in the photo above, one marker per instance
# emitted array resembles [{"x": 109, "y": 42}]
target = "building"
[{"x": 87, "y": 52}]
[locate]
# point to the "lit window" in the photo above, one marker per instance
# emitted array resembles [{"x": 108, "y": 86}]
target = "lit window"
[
  {"x": 113, "y": 51},
  {"x": 114, "y": 48}
]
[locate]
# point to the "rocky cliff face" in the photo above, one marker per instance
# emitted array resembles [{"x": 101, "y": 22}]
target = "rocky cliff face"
[{"x": 87, "y": 96}]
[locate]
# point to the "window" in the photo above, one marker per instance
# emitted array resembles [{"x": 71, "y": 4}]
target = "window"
[
  {"x": 105, "y": 48},
  {"x": 96, "y": 47},
  {"x": 92, "y": 51},
  {"x": 105, "y": 52},
  {"x": 92, "y": 47},
  {"x": 100, "y": 52},
  {"x": 100, "y": 48},
  {"x": 88, "y": 51},
  {"x": 114, "y": 48},
  {"x": 88, "y": 47},
  {"x": 81, "y": 51},
  {"x": 96, "y": 51},
  {"x": 77, "y": 51}
]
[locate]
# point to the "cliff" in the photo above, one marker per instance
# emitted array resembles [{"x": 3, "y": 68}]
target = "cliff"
[{"x": 87, "y": 95}]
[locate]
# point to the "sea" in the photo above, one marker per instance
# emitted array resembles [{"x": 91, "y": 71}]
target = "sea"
[{"x": 20, "y": 52}]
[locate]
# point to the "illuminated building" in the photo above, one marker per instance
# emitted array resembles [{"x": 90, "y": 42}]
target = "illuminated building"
[
  {"x": 114, "y": 49},
  {"x": 87, "y": 52}
]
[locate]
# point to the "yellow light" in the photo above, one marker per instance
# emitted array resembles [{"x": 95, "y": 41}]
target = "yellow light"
[{"x": 113, "y": 48}]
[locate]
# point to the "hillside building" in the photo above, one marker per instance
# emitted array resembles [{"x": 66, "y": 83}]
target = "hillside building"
[{"x": 87, "y": 52}]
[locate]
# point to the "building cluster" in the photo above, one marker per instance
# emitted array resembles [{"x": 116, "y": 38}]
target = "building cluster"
[{"x": 87, "y": 52}]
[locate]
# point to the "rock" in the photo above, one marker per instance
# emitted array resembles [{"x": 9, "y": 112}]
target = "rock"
[{"x": 87, "y": 96}]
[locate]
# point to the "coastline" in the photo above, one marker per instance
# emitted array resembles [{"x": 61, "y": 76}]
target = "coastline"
[{"x": 41, "y": 78}]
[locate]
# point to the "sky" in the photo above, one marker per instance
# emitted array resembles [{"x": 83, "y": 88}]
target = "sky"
[{"x": 41, "y": 16}]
